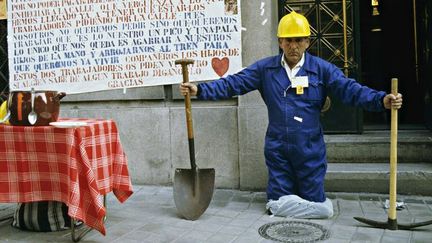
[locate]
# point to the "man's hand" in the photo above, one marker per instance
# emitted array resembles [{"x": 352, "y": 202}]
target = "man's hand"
[
  {"x": 392, "y": 102},
  {"x": 188, "y": 88}
]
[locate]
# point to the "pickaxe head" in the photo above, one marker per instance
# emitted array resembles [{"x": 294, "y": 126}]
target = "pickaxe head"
[{"x": 392, "y": 224}]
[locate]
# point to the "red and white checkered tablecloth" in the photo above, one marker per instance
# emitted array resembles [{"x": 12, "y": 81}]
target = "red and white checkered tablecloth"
[{"x": 76, "y": 166}]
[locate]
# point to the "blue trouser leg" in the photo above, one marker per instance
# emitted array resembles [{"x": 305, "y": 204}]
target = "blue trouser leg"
[
  {"x": 296, "y": 167},
  {"x": 308, "y": 158},
  {"x": 281, "y": 177}
]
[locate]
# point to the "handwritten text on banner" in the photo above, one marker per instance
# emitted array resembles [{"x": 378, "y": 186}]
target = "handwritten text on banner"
[{"x": 79, "y": 46}]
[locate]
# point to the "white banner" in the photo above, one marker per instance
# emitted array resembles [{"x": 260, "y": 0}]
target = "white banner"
[{"x": 79, "y": 46}]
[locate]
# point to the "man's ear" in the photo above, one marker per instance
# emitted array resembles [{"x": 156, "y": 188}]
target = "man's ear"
[
  {"x": 280, "y": 42},
  {"x": 307, "y": 42}
]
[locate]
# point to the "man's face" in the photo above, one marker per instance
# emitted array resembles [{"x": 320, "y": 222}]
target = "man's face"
[{"x": 293, "y": 49}]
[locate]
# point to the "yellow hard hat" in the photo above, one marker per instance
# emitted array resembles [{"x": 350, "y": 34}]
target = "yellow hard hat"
[
  {"x": 3, "y": 110},
  {"x": 293, "y": 25}
]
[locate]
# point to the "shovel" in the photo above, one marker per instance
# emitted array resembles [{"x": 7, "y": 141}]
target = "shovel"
[
  {"x": 392, "y": 223},
  {"x": 193, "y": 188}
]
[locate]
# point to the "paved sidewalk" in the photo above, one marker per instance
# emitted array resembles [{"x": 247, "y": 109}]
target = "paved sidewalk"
[{"x": 235, "y": 216}]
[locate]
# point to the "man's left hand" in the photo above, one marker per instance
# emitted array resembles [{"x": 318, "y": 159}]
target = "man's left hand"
[{"x": 392, "y": 102}]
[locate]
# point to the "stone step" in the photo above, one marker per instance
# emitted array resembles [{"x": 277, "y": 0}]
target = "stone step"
[
  {"x": 412, "y": 178},
  {"x": 374, "y": 147}
]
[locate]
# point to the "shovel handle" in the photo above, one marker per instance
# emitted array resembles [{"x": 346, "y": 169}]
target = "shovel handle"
[
  {"x": 184, "y": 64},
  {"x": 393, "y": 153}
]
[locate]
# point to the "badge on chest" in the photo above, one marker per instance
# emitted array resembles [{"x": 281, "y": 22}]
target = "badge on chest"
[{"x": 299, "y": 83}]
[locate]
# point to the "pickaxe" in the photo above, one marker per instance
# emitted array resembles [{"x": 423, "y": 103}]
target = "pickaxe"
[{"x": 392, "y": 223}]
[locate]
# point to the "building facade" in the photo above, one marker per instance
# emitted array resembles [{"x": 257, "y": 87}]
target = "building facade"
[{"x": 229, "y": 134}]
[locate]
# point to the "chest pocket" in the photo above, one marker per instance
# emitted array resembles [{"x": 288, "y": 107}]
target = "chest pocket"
[
  {"x": 312, "y": 94},
  {"x": 306, "y": 107},
  {"x": 314, "y": 91}
]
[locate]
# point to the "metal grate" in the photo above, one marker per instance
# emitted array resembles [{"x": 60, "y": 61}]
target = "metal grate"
[
  {"x": 326, "y": 20},
  {"x": 294, "y": 231}
]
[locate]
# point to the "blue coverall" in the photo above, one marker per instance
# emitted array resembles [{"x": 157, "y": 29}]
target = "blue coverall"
[{"x": 294, "y": 149}]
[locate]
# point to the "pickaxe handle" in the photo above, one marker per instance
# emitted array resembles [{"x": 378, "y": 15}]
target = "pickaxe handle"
[{"x": 393, "y": 155}]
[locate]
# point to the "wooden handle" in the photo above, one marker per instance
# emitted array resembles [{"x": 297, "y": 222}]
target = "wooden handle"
[
  {"x": 394, "y": 86},
  {"x": 393, "y": 153},
  {"x": 184, "y": 64}
]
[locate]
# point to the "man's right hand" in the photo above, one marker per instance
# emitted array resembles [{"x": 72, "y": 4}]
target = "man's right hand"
[{"x": 188, "y": 88}]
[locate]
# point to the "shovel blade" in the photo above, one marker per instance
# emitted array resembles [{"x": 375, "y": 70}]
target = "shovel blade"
[{"x": 193, "y": 191}]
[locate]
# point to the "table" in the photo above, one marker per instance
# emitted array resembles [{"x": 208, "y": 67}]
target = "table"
[{"x": 76, "y": 166}]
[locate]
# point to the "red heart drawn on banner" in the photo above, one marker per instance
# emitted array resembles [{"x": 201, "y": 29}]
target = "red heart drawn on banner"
[{"x": 220, "y": 66}]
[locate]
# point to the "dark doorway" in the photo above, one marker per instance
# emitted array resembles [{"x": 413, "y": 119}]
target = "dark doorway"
[{"x": 389, "y": 49}]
